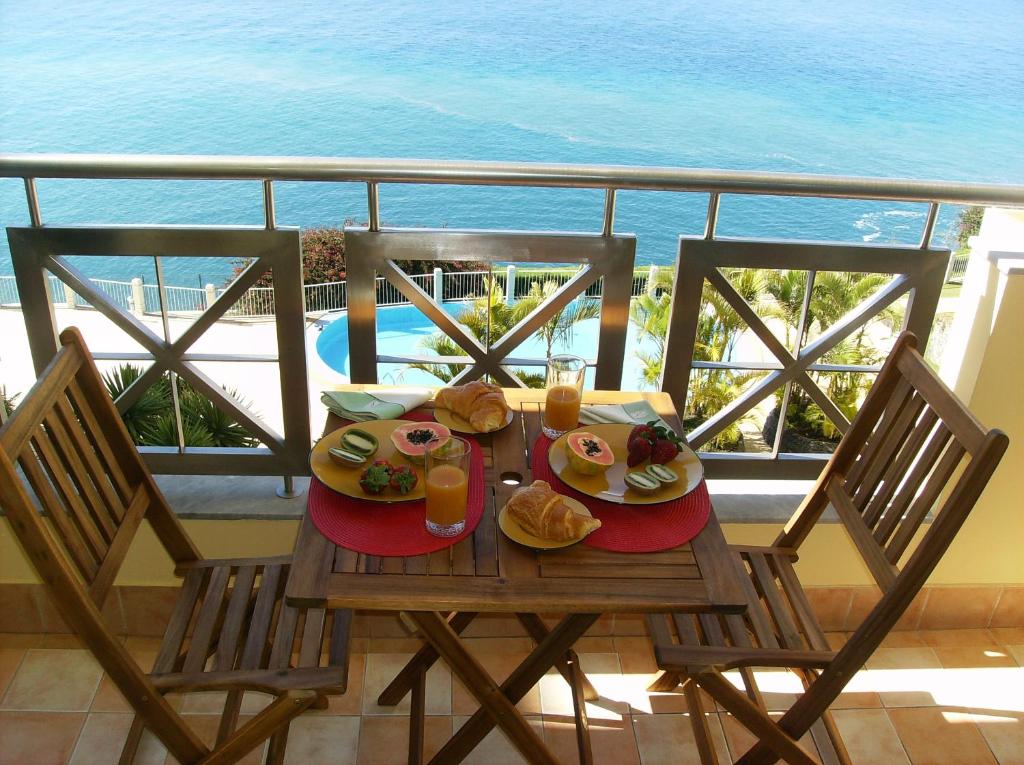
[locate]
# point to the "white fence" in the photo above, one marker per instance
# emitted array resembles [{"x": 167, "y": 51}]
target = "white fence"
[{"x": 319, "y": 298}]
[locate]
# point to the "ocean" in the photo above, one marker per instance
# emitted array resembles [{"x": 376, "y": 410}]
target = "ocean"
[{"x": 901, "y": 88}]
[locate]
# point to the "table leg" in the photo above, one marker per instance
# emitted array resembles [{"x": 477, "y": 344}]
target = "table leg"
[
  {"x": 537, "y": 630},
  {"x": 517, "y": 685},
  {"x": 417, "y": 719},
  {"x": 421, "y": 662},
  {"x": 579, "y": 705},
  {"x": 494, "y": 703}
]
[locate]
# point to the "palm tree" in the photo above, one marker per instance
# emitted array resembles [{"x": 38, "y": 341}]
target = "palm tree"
[
  {"x": 488, "y": 318},
  {"x": 150, "y": 421}
]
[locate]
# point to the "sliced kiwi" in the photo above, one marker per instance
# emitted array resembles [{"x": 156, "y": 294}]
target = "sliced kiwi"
[
  {"x": 641, "y": 482},
  {"x": 359, "y": 441},
  {"x": 662, "y": 474},
  {"x": 346, "y": 457}
]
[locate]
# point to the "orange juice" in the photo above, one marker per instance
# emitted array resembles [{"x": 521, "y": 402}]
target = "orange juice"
[
  {"x": 562, "y": 408},
  {"x": 447, "y": 489}
]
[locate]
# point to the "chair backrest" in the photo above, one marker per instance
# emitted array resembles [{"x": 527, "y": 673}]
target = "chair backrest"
[
  {"x": 79, "y": 466},
  {"x": 912, "y": 451}
]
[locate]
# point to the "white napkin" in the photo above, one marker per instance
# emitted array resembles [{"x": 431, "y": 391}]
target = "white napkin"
[
  {"x": 630, "y": 413},
  {"x": 383, "y": 404}
]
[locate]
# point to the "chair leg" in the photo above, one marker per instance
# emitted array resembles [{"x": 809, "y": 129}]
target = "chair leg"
[
  {"x": 417, "y": 718},
  {"x": 699, "y": 723},
  {"x": 277, "y": 746},
  {"x": 754, "y": 719},
  {"x": 131, "y": 744},
  {"x": 268, "y": 723},
  {"x": 229, "y": 717},
  {"x": 665, "y": 682}
]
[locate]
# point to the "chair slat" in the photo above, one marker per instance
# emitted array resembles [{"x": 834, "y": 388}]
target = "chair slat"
[
  {"x": 115, "y": 556},
  {"x": 84, "y": 560},
  {"x": 100, "y": 479},
  {"x": 880, "y": 568},
  {"x": 181, "y": 616},
  {"x": 258, "y": 639},
  {"x": 234, "y": 619},
  {"x": 76, "y": 469},
  {"x": 899, "y": 397},
  {"x": 312, "y": 638},
  {"x": 76, "y": 511},
  {"x": 912, "y": 483},
  {"x": 712, "y": 629},
  {"x": 686, "y": 629},
  {"x": 762, "y": 627},
  {"x": 341, "y": 631},
  {"x": 284, "y": 637},
  {"x": 967, "y": 430},
  {"x": 799, "y": 603},
  {"x": 898, "y": 467},
  {"x": 95, "y": 432},
  {"x": 937, "y": 481},
  {"x": 779, "y": 611},
  {"x": 208, "y": 621},
  {"x": 886, "y": 452}
]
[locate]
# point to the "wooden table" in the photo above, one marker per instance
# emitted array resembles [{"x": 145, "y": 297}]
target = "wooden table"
[{"x": 442, "y": 592}]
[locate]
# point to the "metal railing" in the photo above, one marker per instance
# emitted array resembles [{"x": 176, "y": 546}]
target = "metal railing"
[{"x": 394, "y": 288}]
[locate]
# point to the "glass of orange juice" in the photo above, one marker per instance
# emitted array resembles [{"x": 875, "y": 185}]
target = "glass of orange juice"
[
  {"x": 565, "y": 388},
  {"x": 447, "y": 487}
]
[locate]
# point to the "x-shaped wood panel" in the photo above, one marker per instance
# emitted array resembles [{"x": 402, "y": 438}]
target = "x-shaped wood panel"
[
  {"x": 370, "y": 253},
  {"x": 916, "y": 271}
]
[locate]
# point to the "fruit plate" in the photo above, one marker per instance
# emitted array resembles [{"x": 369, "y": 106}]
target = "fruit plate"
[
  {"x": 610, "y": 485},
  {"x": 345, "y": 479},
  {"x": 457, "y": 424},
  {"x": 510, "y": 527}
]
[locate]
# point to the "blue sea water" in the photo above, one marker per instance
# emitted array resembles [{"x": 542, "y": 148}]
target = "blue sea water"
[{"x": 893, "y": 88}]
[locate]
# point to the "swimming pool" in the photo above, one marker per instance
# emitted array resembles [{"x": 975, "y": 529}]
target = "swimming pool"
[{"x": 401, "y": 330}]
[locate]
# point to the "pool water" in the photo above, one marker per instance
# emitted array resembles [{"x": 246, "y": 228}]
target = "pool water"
[{"x": 402, "y": 329}]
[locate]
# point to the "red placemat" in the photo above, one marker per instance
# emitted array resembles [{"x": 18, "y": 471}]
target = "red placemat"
[
  {"x": 386, "y": 529},
  {"x": 632, "y": 528}
]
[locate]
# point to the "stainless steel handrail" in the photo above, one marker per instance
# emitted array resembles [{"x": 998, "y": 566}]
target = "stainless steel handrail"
[{"x": 459, "y": 172}]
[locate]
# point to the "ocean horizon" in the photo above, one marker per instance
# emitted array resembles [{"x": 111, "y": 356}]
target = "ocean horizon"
[{"x": 913, "y": 88}]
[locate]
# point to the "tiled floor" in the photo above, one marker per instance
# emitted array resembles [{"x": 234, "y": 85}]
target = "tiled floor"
[{"x": 954, "y": 696}]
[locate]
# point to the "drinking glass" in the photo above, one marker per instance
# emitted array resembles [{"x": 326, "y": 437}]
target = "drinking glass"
[
  {"x": 447, "y": 487},
  {"x": 565, "y": 389}
]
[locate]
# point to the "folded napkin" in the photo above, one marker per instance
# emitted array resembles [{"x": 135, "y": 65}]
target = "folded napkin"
[
  {"x": 630, "y": 413},
  {"x": 361, "y": 406}
]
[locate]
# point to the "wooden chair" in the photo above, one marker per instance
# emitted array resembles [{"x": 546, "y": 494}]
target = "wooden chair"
[
  {"x": 230, "y": 629},
  {"x": 913, "y": 449}
]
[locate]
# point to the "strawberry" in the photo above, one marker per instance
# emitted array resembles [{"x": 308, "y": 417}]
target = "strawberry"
[
  {"x": 664, "y": 450},
  {"x": 376, "y": 477},
  {"x": 403, "y": 479},
  {"x": 639, "y": 450},
  {"x": 645, "y": 432}
]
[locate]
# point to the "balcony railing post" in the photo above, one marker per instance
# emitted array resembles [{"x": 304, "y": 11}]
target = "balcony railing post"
[
  {"x": 510, "y": 284},
  {"x": 138, "y": 297},
  {"x": 438, "y": 286},
  {"x": 652, "y": 280}
]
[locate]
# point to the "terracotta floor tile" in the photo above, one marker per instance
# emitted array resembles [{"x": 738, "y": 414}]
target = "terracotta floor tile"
[
  {"x": 1009, "y": 610},
  {"x": 496, "y": 749},
  {"x": 102, "y": 739},
  {"x": 668, "y": 739},
  {"x": 1007, "y": 635},
  {"x": 903, "y": 639},
  {"x": 903, "y": 658},
  {"x": 351, "y": 701},
  {"x": 205, "y": 726},
  {"x": 602, "y": 669},
  {"x": 20, "y": 640},
  {"x": 975, "y": 656},
  {"x": 934, "y": 737},
  {"x": 381, "y": 669},
  {"x": 39, "y": 738},
  {"x": 54, "y": 680},
  {"x": 1004, "y": 733},
  {"x": 108, "y": 698},
  {"x": 385, "y": 740},
  {"x": 959, "y": 606},
  {"x": 1017, "y": 652},
  {"x": 19, "y": 608},
  {"x": 740, "y": 739},
  {"x": 10, "y": 660},
  {"x": 836, "y": 640},
  {"x": 869, "y": 737},
  {"x": 499, "y": 666},
  {"x": 589, "y": 644},
  {"x": 478, "y": 646},
  {"x": 957, "y": 638},
  {"x": 612, "y": 741}
]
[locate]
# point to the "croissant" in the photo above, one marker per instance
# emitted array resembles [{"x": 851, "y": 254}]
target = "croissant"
[
  {"x": 481, "y": 404},
  {"x": 541, "y": 512}
]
